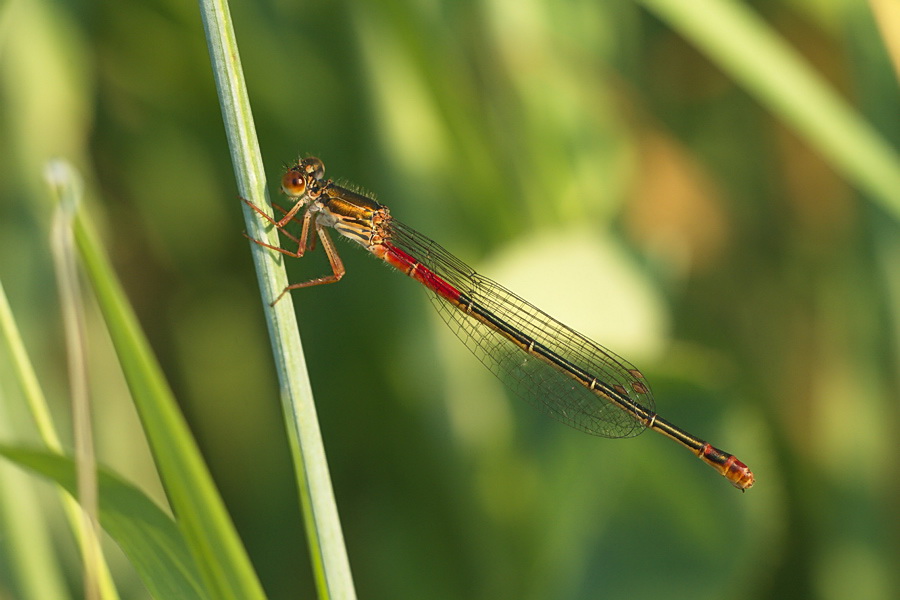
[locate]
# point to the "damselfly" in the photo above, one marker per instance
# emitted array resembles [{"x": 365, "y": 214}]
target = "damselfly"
[{"x": 556, "y": 368}]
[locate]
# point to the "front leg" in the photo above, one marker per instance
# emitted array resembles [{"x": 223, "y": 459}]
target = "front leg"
[
  {"x": 337, "y": 266},
  {"x": 304, "y": 234}
]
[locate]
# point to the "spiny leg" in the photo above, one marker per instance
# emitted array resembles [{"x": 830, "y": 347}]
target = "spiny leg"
[
  {"x": 284, "y": 211},
  {"x": 301, "y": 243},
  {"x": 289, "y": 215},
  {"x": 337, "y": 266}
]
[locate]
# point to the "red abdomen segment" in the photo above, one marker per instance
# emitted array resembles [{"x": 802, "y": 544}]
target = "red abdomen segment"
[{"x": 402, "y": 261}]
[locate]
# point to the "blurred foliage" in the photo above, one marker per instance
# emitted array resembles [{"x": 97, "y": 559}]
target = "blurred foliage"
[{"x": 582, "y": 153}]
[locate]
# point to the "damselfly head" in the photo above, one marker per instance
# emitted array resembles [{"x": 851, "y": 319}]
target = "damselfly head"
[{"x": 303, "y": 178}]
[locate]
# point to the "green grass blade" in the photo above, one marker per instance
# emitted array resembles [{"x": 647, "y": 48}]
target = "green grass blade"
[
  {"x": 736, "y": 39},
  {"x": 148, "y": 536},
  {"x": 40, "y": 412},
  {"x": 331, "y": 566},
  {"x": 31, "y": 570},
  {"x": 71, "y": 302},
  {"x": 206, "y": 526},
  {"x": 27, "y": 378}
]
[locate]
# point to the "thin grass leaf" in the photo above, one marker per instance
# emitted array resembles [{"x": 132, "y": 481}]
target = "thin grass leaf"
[
  {"x": 738, "y": 41},
  {"x": 37, "y": 406},
  {"x": 206, "y": 526},
  {"x": 72, "y": 306},
  {"x": 331, "y": 567},
  {"x": 31, "y": 570},
  {"x": 149, "y": 537}
]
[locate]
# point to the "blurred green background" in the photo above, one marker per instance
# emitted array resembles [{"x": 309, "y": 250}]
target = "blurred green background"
[{"x": 586, "y": 155}]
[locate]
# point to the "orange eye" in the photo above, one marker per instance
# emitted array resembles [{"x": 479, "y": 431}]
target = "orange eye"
[{"x": 293, "y": 184}]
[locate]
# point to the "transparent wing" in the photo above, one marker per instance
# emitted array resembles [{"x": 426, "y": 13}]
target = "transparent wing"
[{"x": 547, "y": 386}]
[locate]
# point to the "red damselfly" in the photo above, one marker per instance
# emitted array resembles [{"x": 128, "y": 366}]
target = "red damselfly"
[{"x": 554, "y": 367}]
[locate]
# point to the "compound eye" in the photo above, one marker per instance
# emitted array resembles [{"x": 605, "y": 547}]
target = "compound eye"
[
  {"x": 293, "y": 183},
  {"x": 313, "y": 166}
]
